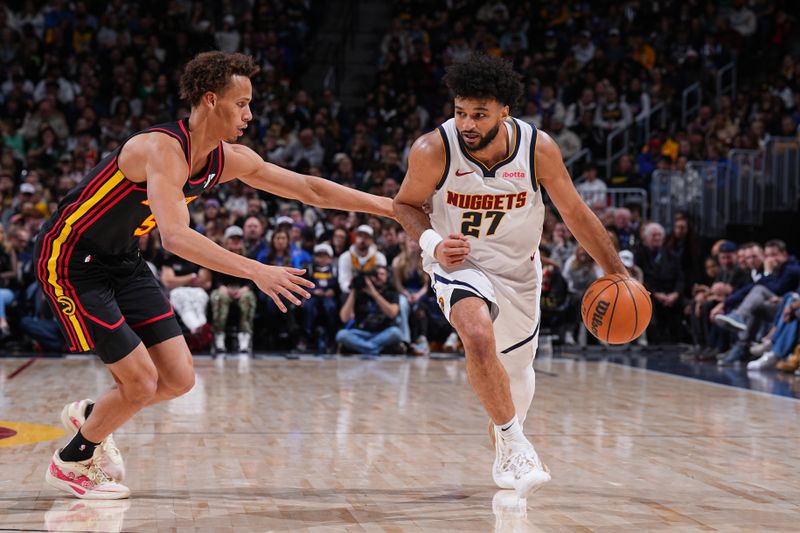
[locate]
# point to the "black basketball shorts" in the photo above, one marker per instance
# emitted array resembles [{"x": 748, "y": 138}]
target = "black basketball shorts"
[{"x": 107, "y": 304}]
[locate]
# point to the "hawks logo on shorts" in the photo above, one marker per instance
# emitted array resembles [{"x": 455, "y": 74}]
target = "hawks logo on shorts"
[{"x": 66, "y": 304}]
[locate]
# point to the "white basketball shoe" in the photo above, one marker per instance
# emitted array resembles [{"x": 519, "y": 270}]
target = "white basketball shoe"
[
  {"x": 107, "y": 454},
  {"x": 517, "y": 466},
  {"x": 84, "y": 479},
  {"x": 503, "y": 479}
]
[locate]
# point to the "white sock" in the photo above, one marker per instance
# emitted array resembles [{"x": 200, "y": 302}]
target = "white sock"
[{"x": 511, "y": 432}]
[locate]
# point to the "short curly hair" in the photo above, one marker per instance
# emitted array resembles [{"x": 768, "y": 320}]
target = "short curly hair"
[
  {"x": 211, "y": 71},
  {"x": 483, "y": 76}
]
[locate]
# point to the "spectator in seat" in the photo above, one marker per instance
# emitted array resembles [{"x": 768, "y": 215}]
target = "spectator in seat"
[
  {"x": 254, "y": 243},
  {"x": 412, "y": 283},
  {"x": 579, "y": 271},
  {"x": 8, "y": 275},
  {"x": 781, "y": 339},
  {"x": 390, "y": 244},
  {"x": 282, "y": 325},
  {"x": 188, "y": 286},
  {"x": 563, "y": 245},
  {"x": 591, "y": 188},
  {"x": 340, "y": 242},
  {"x": 724, "y": 276},
  {"x": 323, "y": 305},
  {"x": 372, "y": 308},
  {"x": 748, "y": 308},
  {"x": 363, "y": 256},
  {"x": 753, "y": 260},
  {"x": 576, "y": 109},
  {"x": 230, "y": 290},
  {"x": 664, "y": 278},
  {"x": 625, "y": 230},
  {"x": 681, "y": 241},
  {"x": 613, "y": 113},
  {"x": 567, "y": 140}
]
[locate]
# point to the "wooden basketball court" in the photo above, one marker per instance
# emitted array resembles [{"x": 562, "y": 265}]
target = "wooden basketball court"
[{"x": 401, "y": 445}]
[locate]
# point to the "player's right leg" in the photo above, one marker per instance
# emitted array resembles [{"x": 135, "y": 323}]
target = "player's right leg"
[
  {"x": 516, "y": 463},
  {"x": 470, "y": 316}
]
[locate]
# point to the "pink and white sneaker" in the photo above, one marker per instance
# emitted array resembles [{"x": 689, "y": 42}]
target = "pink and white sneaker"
[
  {"x": 84, "y": 479},
  {"x": 107, "y": 454}
]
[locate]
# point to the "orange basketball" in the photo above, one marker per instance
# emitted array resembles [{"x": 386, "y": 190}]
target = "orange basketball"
[{"x": 616, "y": 309}]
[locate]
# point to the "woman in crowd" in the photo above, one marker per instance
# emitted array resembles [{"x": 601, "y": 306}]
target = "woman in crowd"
[{"x": 413, "y": 283}]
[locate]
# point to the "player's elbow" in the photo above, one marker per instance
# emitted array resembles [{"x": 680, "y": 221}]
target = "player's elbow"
[{"x": 171, "y": 240}]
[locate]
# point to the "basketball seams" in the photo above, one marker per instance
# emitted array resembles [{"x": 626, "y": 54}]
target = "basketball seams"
[
  {"x": 611, "y": 316},
  {"x": 599, "y": 292},
  {"x": 635, "y": 312}
]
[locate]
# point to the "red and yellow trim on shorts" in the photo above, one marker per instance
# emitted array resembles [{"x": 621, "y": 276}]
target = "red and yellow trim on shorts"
[{"x": 101, "y": 194}]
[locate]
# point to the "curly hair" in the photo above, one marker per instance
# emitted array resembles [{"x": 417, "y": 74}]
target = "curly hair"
[
  {"x": 482, "y": 76},
  {"x": 211, "y": 71}
]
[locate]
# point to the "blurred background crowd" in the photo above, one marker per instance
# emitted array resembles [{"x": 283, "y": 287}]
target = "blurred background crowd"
[{"x": 79, "y": 77}]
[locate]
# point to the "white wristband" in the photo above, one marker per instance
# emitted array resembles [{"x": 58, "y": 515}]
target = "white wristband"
[{"x": 429, "y": 240}]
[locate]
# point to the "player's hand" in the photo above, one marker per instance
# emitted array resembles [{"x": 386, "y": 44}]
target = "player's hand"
[
  {"x": 283, "y": 281},
  {"x": 452, "y": 251}
]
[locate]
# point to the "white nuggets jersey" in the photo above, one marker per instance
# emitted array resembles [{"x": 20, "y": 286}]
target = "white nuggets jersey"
[
  {"x": 499, "y": 208},
  {"x": 501, "y": 212}
]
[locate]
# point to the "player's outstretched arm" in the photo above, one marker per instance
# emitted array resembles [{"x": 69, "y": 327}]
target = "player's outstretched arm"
[
  {"x": 580, "y": 220},
  {"x": 166, "y": 173},
  {"x": 426, "y": 163},
  {"x": 250, "y": 168}
]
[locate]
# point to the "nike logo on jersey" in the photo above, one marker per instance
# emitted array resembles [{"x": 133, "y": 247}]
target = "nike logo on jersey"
[
  {"x": 208, "y": 179},
  {"x": 459, "y": 173}
]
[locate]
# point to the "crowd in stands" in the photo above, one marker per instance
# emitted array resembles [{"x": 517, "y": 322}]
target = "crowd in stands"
[
  {"x": 78, "y": 78},
  {"x": 592, "y": 67}
]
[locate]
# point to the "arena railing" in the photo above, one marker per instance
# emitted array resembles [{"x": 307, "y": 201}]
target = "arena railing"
[
  {"x": 618, "y": 197},
  {"x": 638, "y": 132},
  {"x": 782, "y": 172},
  {"x": 625, "y": 196},
  {"x": 747, "y": 181},
  {"x": 724, "y": 88},
  {"x": 691, "y": 100},
  {"x": 582, "y": 156},
  {"x": 737, "y": 190},
  {"x": 612, "y": 154},
  {"x": 666, "y": 195}
]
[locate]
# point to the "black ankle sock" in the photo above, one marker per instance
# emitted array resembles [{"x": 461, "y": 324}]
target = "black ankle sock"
[
  {"x": 78, "y": 449},
  {"x": 88, "y": 410}
]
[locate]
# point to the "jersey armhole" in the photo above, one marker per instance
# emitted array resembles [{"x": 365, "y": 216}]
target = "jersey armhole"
[
  {"x": 446, "y": 158},
  {"x": 220, "y": 166},
  {"x": 534, "y": 177}
]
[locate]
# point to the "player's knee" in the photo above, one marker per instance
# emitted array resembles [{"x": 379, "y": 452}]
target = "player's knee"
[
  {"x": 140, "y": 389},
  {"x": 185, "y": 383},
  {"x": 477, "y": 337}
]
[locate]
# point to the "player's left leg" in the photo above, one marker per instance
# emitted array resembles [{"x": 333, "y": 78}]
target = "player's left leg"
[
  {"x": 517, "y": 335},
  {"x": 175, "y": 367},
  {"x": 151, "y": 316}
]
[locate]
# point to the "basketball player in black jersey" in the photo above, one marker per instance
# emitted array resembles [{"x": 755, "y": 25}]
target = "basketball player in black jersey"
[{"x": 102, "y": 292}]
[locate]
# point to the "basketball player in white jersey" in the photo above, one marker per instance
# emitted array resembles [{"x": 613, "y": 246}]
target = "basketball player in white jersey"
[{"x": 482, "y": 172}]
